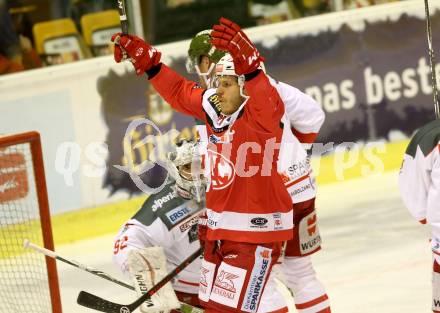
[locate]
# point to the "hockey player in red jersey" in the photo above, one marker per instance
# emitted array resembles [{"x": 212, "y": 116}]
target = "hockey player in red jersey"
[
  {"x": 249, "y": 209},
  {"x": 305, "y": 117}
]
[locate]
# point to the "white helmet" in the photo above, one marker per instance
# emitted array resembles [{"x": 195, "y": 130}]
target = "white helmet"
[
  {"x": 185, "y": 167},
  {"x": 225, "y": 67}
]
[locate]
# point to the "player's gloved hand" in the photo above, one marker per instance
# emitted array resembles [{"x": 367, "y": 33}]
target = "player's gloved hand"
[
  {"x": 141, "y": 54},
  {"x": 229, "y": 36},
  {"x": 203, "y": 228}
]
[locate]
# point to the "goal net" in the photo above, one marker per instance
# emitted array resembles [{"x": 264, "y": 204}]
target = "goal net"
[{"x": 29, "y": 281}]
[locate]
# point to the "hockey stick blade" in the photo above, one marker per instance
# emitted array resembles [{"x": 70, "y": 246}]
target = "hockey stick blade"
[{"x": 94, "y": 302}]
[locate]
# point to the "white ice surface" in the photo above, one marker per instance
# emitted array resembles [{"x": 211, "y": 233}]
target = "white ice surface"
[{"x": 375, "y": 257}]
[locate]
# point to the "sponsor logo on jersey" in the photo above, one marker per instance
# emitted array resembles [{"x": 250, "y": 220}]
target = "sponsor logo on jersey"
[
  {"x": 189, "y": 223},
  {"x": 215, "y": 102},
  {"x": 212, "y": 219},
  {"x": 296, "y": 171},
  {"x": 178, "y": 214},
  {"x": 257, "y": 279},
  {"x": 301, "y": 189},
  {"x": 211, "y": 223},
  {"x": 158, "y": 203},
  {"x": 259, "y": 222},
  {"x": 307, "y": 246},
  {"x": 277, "y": 221},
  {"x": 13, "y": 177},
  {"x": 309, "y": 236},
  {"x": 225, "y": 284},
  {"x": 222, "y": 170},
  {"x": 225, "y": 138},
  {"x": 311, "y": 223}
]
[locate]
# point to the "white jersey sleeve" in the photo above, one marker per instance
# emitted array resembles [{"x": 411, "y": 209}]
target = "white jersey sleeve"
[
  {"x": 419, "y": 179},
  {"x": 304, "y": 113}
]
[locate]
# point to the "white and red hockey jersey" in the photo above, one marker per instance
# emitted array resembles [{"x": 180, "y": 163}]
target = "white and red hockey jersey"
[
  {"x": 419, "y": 178},
  {"x": 304, "y": 117},
  {"x": 303, "y": 112},
  {"x": 247, "y": 200}
]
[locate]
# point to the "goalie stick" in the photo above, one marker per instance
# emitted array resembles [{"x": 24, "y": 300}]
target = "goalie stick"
[
  {"x": 91, "y": 270},
  {"x": 184, "y": 307},
  {"x": 94, "y": 302}
]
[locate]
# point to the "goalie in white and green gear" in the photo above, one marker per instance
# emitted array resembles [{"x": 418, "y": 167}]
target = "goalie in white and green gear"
[
  {"x": 163, "y": 233},
  {"x": 202, "y": 57}
]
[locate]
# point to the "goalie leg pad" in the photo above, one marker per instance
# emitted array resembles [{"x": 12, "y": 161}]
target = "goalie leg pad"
[{"x": 147, "y": 267}]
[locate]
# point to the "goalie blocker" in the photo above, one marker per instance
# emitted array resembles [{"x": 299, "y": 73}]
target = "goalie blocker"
[{"x": 147, "y": 266}]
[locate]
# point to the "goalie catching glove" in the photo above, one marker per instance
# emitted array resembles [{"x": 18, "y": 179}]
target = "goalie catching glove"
[
  {"x": 141, "y": 54},
  {"x": 147, "y": 267},
  {"x": 229, "y": 36}
]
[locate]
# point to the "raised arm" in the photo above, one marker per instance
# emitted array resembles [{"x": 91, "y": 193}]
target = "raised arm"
[
  {"x": 183, "y": 95},
  {"x": 265, "y": 105}
]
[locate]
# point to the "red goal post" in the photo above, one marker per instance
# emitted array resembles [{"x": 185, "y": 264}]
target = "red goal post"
[{"x": 29, "y": 281}]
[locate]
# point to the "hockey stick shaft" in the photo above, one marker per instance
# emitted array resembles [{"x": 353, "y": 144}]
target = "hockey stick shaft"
[
  {"x": 123, "y": 16},
  {"x": 184, "y": 307},
  {"x": 94, "y": 302},
  {"x": 432, "y": 61},
  {"x": 83, "y": 267}
]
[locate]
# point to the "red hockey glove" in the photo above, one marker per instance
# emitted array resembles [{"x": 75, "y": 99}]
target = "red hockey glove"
[
  {"x": 142, "y": 55},
  {"x": 229, "y": 36}
]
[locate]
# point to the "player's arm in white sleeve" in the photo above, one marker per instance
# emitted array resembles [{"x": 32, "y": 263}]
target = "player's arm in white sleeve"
[
  {"x": 412, "y": 187},
  {"x": 433, "y": 203},
  {"x": 305, "y": 114},
  {"x": 135, "y": 235}
]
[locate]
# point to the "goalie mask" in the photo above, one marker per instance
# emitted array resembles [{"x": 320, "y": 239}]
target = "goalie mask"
[
  {"x": 185, "y": 167},
  {"x": 201, "y": 46}
]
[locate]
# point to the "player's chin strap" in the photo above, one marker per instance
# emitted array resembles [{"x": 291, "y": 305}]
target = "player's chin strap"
[
  {"x": 205, "y": 76},
  {"x": 432, "y": 61}
]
